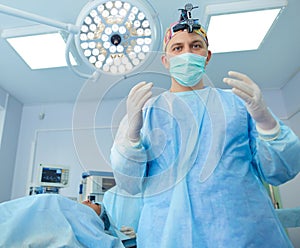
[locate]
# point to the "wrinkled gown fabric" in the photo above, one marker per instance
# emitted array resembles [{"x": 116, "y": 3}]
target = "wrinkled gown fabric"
[{"x": 199, "y": 169}]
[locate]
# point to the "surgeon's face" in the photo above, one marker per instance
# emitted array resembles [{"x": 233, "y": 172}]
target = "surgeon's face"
[
  {"x": 92, "y": 205},
  {"x": 184, "y": 42}
]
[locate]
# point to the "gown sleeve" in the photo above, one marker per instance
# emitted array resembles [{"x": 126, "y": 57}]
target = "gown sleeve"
[
  {"x": 128, "y": 161},
  {"x": 277, "y": 160}
]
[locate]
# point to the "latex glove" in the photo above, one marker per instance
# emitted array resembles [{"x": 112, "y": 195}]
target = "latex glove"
[
  {"x": 136, "y": 100},
  {"x": 129, "y": 231},
  {"x": 247, "y": 90}
]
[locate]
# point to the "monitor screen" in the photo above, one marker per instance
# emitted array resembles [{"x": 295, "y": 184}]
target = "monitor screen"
[
  {"x": 51, "y": 175},
  {"x": 108, "y": 183}
]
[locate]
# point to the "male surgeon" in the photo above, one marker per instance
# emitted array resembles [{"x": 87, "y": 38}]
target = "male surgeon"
[{"x": 198, "y": 155}]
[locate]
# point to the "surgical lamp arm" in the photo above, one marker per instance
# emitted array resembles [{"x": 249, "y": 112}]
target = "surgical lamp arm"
[{"x": 40, "y": 19}]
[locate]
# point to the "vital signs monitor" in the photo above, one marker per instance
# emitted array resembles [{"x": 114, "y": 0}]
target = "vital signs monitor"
[{"x": 54, "y": 175}]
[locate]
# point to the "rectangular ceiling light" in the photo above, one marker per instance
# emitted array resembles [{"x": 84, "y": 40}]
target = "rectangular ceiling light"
[
  {"x": 41, "y": 51},
  {"x": 241, "y": 26}
]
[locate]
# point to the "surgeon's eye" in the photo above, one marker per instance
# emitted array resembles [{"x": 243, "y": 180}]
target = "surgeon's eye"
[
  {"x": 197, "y": 46},
  {"x": 176, "y": 49}
]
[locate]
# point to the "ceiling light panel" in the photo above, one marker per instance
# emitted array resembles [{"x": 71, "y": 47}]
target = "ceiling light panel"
[
  {"x": 240, "y": 31},
  {"x": 41, "y": 51},
  {"x": 240, "y": 25}
]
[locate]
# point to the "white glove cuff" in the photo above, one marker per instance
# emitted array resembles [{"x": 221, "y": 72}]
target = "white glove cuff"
[
  {"x": 268, "y": 135},
  {"x": 136, "y": 144}
]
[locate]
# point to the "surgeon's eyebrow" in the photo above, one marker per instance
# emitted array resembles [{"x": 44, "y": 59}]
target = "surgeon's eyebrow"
[
  {"x": 198, "y": 40},
  {"x": 176, "y": 44}
]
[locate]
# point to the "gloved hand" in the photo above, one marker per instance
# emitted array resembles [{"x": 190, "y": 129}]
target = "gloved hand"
[
  {"x": 247, "y": 90},
  {"x": 129, "y": 231},
  {"x": 137, "y": 98}
]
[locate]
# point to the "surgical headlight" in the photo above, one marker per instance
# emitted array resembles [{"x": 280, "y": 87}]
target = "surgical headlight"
[{"x": 186, "y": 21}]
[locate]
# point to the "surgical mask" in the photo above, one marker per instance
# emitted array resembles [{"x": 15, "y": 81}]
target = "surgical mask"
[{"x": 187, "y": 68}]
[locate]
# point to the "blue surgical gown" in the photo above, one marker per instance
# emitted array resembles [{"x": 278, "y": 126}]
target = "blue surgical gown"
[{"x": 199, "y": 167}]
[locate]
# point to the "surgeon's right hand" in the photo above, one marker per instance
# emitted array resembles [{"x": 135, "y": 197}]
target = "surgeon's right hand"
[{"x": 136, "y": 100}]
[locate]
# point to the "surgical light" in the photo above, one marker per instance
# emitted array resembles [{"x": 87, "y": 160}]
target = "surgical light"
[
  {"x": 114, "y": 37},
  {"x": 116, "y": 29}
]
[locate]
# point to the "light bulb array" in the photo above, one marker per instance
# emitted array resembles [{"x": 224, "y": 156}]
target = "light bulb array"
[{"x": 115, "y": 37}]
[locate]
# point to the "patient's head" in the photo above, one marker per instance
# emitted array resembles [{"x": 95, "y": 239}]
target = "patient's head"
[{"x": 95, "y": 206}]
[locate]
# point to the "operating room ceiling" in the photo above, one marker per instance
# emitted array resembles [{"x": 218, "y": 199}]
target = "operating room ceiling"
[{"x": 271, "y": 66}]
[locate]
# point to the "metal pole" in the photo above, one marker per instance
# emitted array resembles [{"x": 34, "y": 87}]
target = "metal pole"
[
  {"x": 40, "y": 19},
  {"x": 272, "y": 195}
]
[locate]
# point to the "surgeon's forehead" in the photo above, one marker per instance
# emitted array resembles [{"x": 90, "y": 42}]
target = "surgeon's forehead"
[{"x": 184, "y": 36}]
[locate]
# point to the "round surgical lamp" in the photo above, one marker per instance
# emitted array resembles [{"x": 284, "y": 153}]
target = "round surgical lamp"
[
  {"x": 117, "y": 37},
  {"x": 113, "y": 37}
]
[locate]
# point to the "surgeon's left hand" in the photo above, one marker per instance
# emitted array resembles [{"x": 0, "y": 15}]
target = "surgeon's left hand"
[{"x": 247, "y": 90}]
